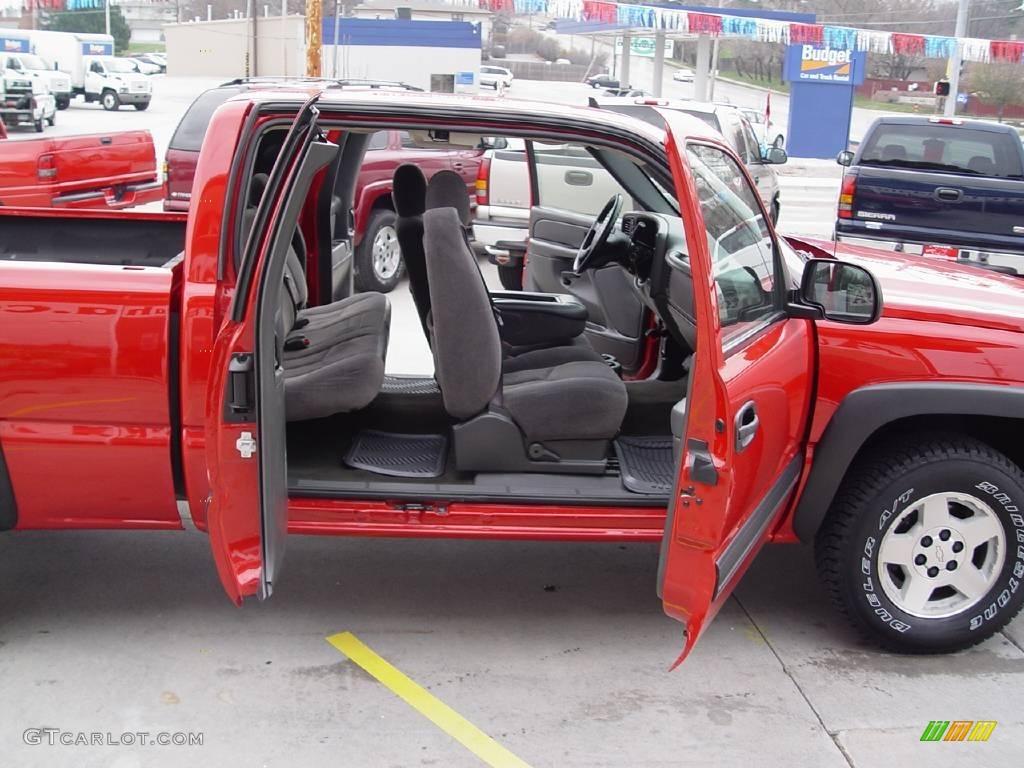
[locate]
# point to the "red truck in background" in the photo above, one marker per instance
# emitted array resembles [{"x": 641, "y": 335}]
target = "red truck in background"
[
  {"x": 150, "y": 358},
  {"x": 378, "y": 259},
  {"x": 114, "y": 170}
]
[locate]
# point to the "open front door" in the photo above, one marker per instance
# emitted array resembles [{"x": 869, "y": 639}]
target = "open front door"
[
  {"x": 245, "y": 417},
  {"x": 741, "y": 437}
]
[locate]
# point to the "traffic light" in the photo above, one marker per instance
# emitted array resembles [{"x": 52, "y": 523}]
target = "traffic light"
[{"x": 942, "y": 88}]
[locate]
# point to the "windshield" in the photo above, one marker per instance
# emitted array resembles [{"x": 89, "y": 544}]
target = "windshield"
[
  {"x": 942, "y": 148},
  {"x": 118, "y": 65},
  {"x": 31, "y": 61}
]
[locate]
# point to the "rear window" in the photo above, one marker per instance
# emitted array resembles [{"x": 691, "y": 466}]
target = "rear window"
[
  {"x": 942, "y": 148},
  {"x": 191, "y": 130}
]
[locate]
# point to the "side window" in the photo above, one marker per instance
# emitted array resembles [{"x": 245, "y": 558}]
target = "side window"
[
  {"x": 738, "y": 141},
  {"x": 13, "y": 63},
  {"x": 96, "y": 67},
  {"x": 753, "y": 145},
  {"x": 378, "y": 140},
  {"x": 570, "y": 179},
  {"x": 406, "y": 140},
  {"x": 740, "y": 243}
]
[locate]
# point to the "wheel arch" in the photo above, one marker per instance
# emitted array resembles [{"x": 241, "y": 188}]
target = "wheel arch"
[{"x": 988, "y": 412}]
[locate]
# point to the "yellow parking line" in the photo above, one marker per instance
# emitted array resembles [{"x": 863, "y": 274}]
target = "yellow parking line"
[{"x": 428, "y": 705}]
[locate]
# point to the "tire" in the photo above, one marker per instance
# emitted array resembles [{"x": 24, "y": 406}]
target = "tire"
[
  {"x": 110, "y": 101},
  {"x": 39, "y": 125},
  {"x": 52, "y": 119},
  {"x": 773, "y": 212},
  {"x": 378, "y": 262},
  {"x": 142, "y": 107},
  {"x": 875, "y": 545},
  {"x": 63, "y": 103},
  {"x": 511, "y": 277}
]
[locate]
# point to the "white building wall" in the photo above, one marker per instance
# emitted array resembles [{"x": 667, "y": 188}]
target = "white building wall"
[
  {"x": 410, "y": 64},
  {"x": 218, "y": 48}
]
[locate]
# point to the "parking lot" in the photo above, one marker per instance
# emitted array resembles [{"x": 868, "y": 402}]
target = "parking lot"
[{"x": 559, "y": 652}]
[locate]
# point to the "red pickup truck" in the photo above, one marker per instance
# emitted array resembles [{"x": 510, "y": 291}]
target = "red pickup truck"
[
  {"x": 378, "y": 257},
  {"x": 152, "y": 358},
  {"x": 112, "y": 170}
]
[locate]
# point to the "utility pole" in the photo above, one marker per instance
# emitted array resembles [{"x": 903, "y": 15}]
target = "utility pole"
[
  {"x": 314, "y": 26},
  {"x": 106, "y": 13},
  {"x": 956, "y": 60}
]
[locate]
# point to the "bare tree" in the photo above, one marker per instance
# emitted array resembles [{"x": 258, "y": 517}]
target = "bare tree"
[{"x": 998, "y": 83}]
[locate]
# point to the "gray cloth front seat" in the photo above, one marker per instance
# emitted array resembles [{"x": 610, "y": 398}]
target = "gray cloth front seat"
[
  {"x": 333, "y": 354},
  {"x": 563, "y": 401},
  {"x": 448, "y": 190}
]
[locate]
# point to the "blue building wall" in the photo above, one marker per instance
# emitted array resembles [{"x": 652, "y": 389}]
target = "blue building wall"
[{"x": 403, "y": 33}]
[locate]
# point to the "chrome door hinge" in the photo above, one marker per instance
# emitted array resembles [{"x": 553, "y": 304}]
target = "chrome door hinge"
[{"x": 246, "y": 445}]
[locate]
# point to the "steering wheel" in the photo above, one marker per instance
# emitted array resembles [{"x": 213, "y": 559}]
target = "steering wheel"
[{"x": 598, "y": 234}]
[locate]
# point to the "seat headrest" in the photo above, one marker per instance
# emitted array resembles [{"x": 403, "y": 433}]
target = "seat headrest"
[
  {"x": 257, "y": 187},
  {"x": 408, "y": 190},
  {"x": 448, "y": 190}
]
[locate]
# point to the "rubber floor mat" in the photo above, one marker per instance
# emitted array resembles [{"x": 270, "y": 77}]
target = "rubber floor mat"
[
  {"x": 646, "y": 464},
  {"x": 398, "y": 455}
]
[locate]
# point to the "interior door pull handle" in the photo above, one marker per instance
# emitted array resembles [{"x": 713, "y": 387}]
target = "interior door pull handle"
[{"x": 747, "y": 424}]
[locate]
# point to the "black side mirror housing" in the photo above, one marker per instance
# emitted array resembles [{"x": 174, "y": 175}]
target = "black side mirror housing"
[
  {"x": 841, "y": 291},
  {"x": 845, "y": 158},
  {"x": 775, "y": 156}
]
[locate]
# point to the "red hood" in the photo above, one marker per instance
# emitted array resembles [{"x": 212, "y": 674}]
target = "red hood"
[{"x": 920, "y": 288}]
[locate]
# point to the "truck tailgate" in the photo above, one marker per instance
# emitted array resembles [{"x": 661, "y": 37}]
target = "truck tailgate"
[{"x": 969, "y": 204}]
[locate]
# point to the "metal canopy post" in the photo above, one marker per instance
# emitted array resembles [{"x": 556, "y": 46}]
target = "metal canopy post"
[
  {"x": 627, "y": 42},
  {"x": 659, "y": 62},
  {"x": 700, "y": 77}
]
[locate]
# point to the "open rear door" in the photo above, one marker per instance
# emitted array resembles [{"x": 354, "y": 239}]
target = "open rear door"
[
  {"x": 740, "y": 432},
  {"x": 245, "y": 417}
]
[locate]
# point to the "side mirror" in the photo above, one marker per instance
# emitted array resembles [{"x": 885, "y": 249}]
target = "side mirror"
[
  {"x": 845, "y": 157},
  {"x": 494, "y": 142},
  {"x": 841, "y": 291},
  {"x": 775, "y": 156}
]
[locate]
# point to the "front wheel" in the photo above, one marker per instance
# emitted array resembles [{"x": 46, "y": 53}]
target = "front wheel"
[
  {"x": 110, "y": 101},
  {"x": 142, "y": 107},
  {"x": 922, "y": 548},
  {"x": 379, "y": 257},
  {"x": 773, "y": 213},
  {"x": 52, "y": 120},
  {"x": 63, "y": 103},
  {"x": 39, "y": 125}
]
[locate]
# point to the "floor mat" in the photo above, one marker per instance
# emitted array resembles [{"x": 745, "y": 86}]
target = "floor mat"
[
  {"x": 646, "y": 464},
  {"x": 398, "y": 455}
]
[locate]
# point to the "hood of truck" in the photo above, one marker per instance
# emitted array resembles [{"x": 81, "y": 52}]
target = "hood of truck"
[{"x": 922, "y": 288}]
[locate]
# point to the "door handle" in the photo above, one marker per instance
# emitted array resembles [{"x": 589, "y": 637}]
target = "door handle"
[
  {"x": 949, "y": 194},
  {"x": 106, "y": 140},
  {"x": 457, "y": 166},
  {"x": 579, "y": 178},
  {"x": 747, "y": 424}
]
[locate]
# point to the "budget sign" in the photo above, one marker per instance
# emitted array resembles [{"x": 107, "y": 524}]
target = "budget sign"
[{"x": 814, "y": 63}]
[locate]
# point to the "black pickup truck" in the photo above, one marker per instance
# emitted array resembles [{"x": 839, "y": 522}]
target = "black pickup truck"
[{"x": 942, "y": 187}]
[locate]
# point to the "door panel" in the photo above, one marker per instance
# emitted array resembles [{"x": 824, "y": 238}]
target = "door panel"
[
  {"x": 741, "y": 437},
  {"x": 615, "y": 314},
  {"x": 245, "y": 419}
]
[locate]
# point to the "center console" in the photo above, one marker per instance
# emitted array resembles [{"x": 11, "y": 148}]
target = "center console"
[{"x": 545, "y": 319}]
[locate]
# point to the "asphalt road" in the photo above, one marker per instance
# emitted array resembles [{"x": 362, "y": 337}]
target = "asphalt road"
[{"x": 559, "y": 652}]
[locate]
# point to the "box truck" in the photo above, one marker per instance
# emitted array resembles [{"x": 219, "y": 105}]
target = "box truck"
[
  {"x": 96, "y": 74},
  {"x": 19, "y": 60}
]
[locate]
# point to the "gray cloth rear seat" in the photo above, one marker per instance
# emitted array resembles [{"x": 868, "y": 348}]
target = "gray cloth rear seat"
[{"x": 339, "y": 363}]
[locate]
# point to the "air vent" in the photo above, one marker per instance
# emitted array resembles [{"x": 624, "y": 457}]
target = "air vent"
[{"x": 628, "y": 225}]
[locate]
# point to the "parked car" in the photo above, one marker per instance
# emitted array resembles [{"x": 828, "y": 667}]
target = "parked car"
[
  {"x": 113, "y": 170},
  {"x": 728, "y": 121},
  {"x": 602, "y": 80},
  {"x": 941, "y": 187},
  {"x": 683, "y": 75},
  {"x": 795, "y": 405},
  {"x": 378, "y": 259},
  {"x": 763, "y": 127},
  {"x": 628, "y": 92},
  {"x": 493, "y": 77},
  {"x": 144, "y": 67},
  {"x": 156, "y": 59}
]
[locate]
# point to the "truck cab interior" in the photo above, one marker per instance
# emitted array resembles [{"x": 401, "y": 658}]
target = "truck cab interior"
[{"x": 523, "y": 404}]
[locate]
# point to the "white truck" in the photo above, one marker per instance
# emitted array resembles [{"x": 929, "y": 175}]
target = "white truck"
[
  {"x": 18, "y": 60},
  {"x": 96, "y": 74}
]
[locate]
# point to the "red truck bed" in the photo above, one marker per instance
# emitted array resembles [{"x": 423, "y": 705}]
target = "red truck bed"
[{"x": 114, "y": 170}]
